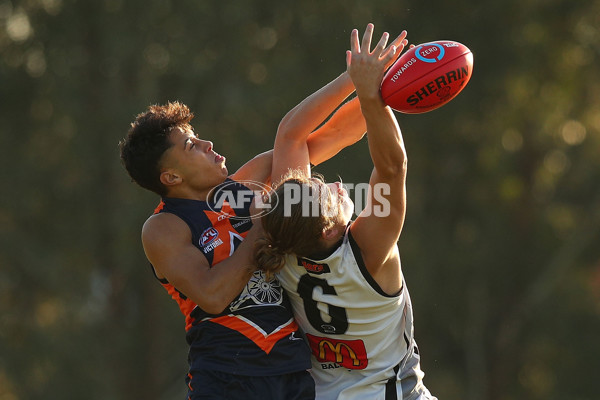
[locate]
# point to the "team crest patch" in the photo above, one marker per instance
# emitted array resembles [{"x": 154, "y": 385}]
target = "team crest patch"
[{"x": 208, "y": 236}]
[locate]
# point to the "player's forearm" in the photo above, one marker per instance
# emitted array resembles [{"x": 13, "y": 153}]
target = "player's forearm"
[
  {"x": 225, "y": 280},
  {"x": 303, "y": 119},
  {"x": 346, "y": 127},
  {"x": 386, "y": 145}
]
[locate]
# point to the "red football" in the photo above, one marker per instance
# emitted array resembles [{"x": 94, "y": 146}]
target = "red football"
[{"x": 427, "y": 76}]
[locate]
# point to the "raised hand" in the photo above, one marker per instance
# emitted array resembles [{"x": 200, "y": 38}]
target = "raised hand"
[
  {"x": 366, "y": 67},
  {"x": 400, "y": 42}
]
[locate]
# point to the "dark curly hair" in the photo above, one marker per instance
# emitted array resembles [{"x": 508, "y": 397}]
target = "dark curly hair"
[{"x": 148, "y": 139}]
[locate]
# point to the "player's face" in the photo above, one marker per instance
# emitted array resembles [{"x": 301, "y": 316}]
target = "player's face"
[
  {"x": 194, "y": 159},
  {"x": 340, "y": 196}
]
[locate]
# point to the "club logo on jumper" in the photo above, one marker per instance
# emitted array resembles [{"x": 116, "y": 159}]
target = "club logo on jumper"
[
  {"x": 208, "y": 236},
  {"x": 350, "y": 354},
  {"x": 233, "y": 199},
  {"x": 430, "y": 53},
  {"x": 313, "y": 267}
]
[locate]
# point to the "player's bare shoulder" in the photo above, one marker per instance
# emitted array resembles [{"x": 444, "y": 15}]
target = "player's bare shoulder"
[
  {"x": 162, "y": 234},
  {"x": 164, "y": 226}
]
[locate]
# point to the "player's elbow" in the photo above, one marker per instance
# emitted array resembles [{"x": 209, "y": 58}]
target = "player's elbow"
[
  {"x": 214, "y": 310},
  {"x": 395, "y": 167},
  {"x": 287, "y": 126},
  {"x": 403, "y": 162},
  {"x": 213, "y": 305},
  {"x": 210, "y": 299}
]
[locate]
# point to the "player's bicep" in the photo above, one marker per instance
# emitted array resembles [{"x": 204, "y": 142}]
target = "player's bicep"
[{"x": 168, "y": 247}]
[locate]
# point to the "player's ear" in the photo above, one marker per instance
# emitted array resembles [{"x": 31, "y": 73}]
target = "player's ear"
[
  {"x": 331, "y": 233},
  {"x": 170, "y": 177}
]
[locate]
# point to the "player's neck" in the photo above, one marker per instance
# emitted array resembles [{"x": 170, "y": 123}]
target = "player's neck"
[
  {"x": 330, "y": 246},
  {"x": 186, "y": 192}
]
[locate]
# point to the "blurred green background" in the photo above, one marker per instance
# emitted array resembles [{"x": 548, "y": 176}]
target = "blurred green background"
[{"x": 501, "y": 246}]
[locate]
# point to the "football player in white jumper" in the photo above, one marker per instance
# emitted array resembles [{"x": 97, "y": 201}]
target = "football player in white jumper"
[{"x": 344, "y": 277}]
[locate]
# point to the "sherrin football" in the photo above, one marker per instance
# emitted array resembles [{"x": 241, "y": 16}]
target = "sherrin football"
[{"x": 427, "y": 76}]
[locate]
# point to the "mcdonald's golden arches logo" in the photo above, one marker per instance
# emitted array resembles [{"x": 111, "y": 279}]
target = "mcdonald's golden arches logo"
[{"x": 349, "y": 354}]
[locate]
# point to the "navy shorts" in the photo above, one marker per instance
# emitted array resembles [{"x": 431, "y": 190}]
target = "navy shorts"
[{"x": 215, "y": 385}]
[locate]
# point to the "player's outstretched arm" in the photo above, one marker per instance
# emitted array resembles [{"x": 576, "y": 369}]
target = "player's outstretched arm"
[
  {"x": 302, "y": 129},
  {"x": 346, "y": 126},
  {"x": 168, "y": 245},
  {"x": 291, "y": 148},
  {"x": 378, "y": 227}
]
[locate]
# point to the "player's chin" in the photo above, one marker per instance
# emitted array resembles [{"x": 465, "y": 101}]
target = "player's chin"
[
  {"x": 223, "y": 169},
  {"x": 347, "y": 210}
]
